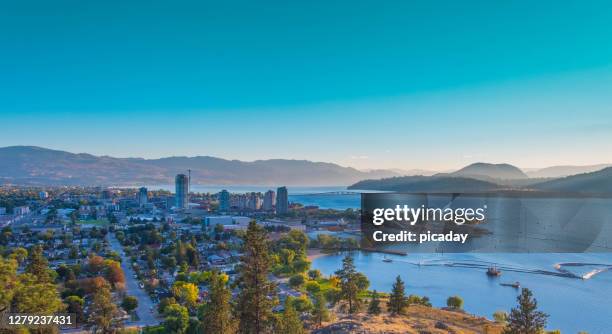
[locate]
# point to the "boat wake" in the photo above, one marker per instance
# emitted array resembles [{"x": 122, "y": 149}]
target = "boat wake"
[{"x": 560, "y": 269}]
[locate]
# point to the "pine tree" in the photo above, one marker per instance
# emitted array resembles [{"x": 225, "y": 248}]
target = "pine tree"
[
  {"x": 289, "y": 322},
  {"x": 320, "y": 312},
  {"x": 397, "y": 299},
  {"x": 257, "y": 293},
  {"x": 38, "y": 265},
  {"x": 374, "y": 307},
  {"x": 526, "y": 319},
  {"x": 348, "y": 283},
  {"x": 216, "y": 315}
]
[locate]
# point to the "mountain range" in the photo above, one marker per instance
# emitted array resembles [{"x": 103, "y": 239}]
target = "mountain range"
[{"x": 32, "y": 165}]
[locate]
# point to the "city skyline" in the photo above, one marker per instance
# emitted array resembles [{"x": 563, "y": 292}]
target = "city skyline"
[{"x": 419, "y": 86}]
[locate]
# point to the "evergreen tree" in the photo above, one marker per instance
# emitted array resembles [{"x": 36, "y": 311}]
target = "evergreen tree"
[
  {"x": 320, "y": 312},
  {"x": 374, "y": 307},
  {"x": 257, "y": 293},
  {"x": 289, "y": 322},
  {"x": 526, "y": 319},
  {"x": 38, "y": 265},
  {"x": 397, "y": 299},
  {"x": 349, "y": 287},
  {"x": 216, "y": 315}
]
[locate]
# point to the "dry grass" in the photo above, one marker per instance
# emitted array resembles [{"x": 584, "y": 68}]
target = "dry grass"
[{"x": 419, "y": 319}]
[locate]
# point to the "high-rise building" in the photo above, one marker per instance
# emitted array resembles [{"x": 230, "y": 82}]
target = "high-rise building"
[
  {"x": 224, "y": 200},
  {"x": 282, "y": 201},
  {"x": 143, "y": 196},
  {"x": 269, "y": 200},
  {"x": 182, "y": 191},
  {"x": 254, "y": 201},
  {"x": 43, "y": 195}
]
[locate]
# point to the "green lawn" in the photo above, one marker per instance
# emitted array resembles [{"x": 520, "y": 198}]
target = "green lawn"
[{"x": 98, "y": 222}]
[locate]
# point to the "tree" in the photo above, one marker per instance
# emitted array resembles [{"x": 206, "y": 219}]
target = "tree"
[
  {"x": 256, "y": 297},
  {"x": 176, "y": 318},
  {"x": 32, "y": 296},
  {"x": 297, "y": 281},
  {"x": 185, "y": 293},
  {"x": 397, "y": 299},
  {"x": 95, "y": 264},
  {"x": 289, "y": 322},
  {"x": 216, "y": 315},
  {"x": 526, "y": 319},
  {"x": 314, "y": 274},
  {"x": 219, "y": 229},
  {"x": 320, "y": 312},
  {"x": 114, "y": 273},
  {"x": 351, "y": 283},
  {"x": 374, "y": 307},
  {"x": 313, "y": 287},
  {"x": 20, "y": 254},
  {"x": 39, "y": 266},
  {"x": 454, "y": 302},
  {"x": 129, "y": 303},
  {"x": 75, "y": 305},
  {"x": 8, "y": 282},
  {"x": 103, "y": 310}
]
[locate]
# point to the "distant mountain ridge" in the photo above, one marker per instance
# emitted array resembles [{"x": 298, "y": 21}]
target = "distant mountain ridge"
[
  {"x": 562, "y": 171},
  {"x": 432, "y": 184},
  {"x": 491, "y": 171},
  {"x": 599, "y": 182},
  {"x": 480, "y": 178},
  {"x": 37, "y": 165}
]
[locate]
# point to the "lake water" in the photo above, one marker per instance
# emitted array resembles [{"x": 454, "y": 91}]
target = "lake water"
[{"x": 573, "y": 304}]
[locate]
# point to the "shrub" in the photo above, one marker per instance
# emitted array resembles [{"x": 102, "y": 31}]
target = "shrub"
[
  {"x": 313, "y": 287},
  {"x": 455, "y": 302},
  {"x": 297, "y": 280}
]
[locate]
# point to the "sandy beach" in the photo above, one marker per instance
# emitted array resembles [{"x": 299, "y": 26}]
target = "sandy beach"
[{"x": 314, "y": 253}]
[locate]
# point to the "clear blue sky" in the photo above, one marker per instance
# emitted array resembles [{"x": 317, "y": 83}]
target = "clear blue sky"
[{"x": 404, "y": 84}]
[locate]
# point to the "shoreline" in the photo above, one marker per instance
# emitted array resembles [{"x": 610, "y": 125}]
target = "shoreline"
[{"x": 314, "y": 253}]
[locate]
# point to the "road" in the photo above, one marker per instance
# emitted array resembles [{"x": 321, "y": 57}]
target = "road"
[{"x": 145, "y": 304}]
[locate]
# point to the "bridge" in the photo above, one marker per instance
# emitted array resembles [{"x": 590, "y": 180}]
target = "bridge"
[{"x": 330, "y": 193}]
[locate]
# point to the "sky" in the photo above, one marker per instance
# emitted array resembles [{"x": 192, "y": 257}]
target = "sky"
[{"x": 369, "y": 84}]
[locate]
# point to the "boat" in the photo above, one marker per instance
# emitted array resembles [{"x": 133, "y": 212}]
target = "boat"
[
  {"x": 493, "y": 271},
  {"x": 386, "y": 259},
  {"x": 515, "y": 285}
]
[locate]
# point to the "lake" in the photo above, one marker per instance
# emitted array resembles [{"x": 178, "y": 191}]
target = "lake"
[{"x": 573, "y": 304}]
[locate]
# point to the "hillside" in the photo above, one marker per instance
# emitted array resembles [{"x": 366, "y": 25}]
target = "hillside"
[
  {"x": 36, "y": 165},
  {"x": 426, "y": 184},
  {"x": 599, "y": 182},
  {"x": 488, "y": 171},
  {"x": 562, "y": 171}
]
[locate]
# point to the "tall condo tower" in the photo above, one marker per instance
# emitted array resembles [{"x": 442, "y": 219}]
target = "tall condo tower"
[
  {"x": 282, "y": 201},
  {"x": 182, "y": 191}
]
